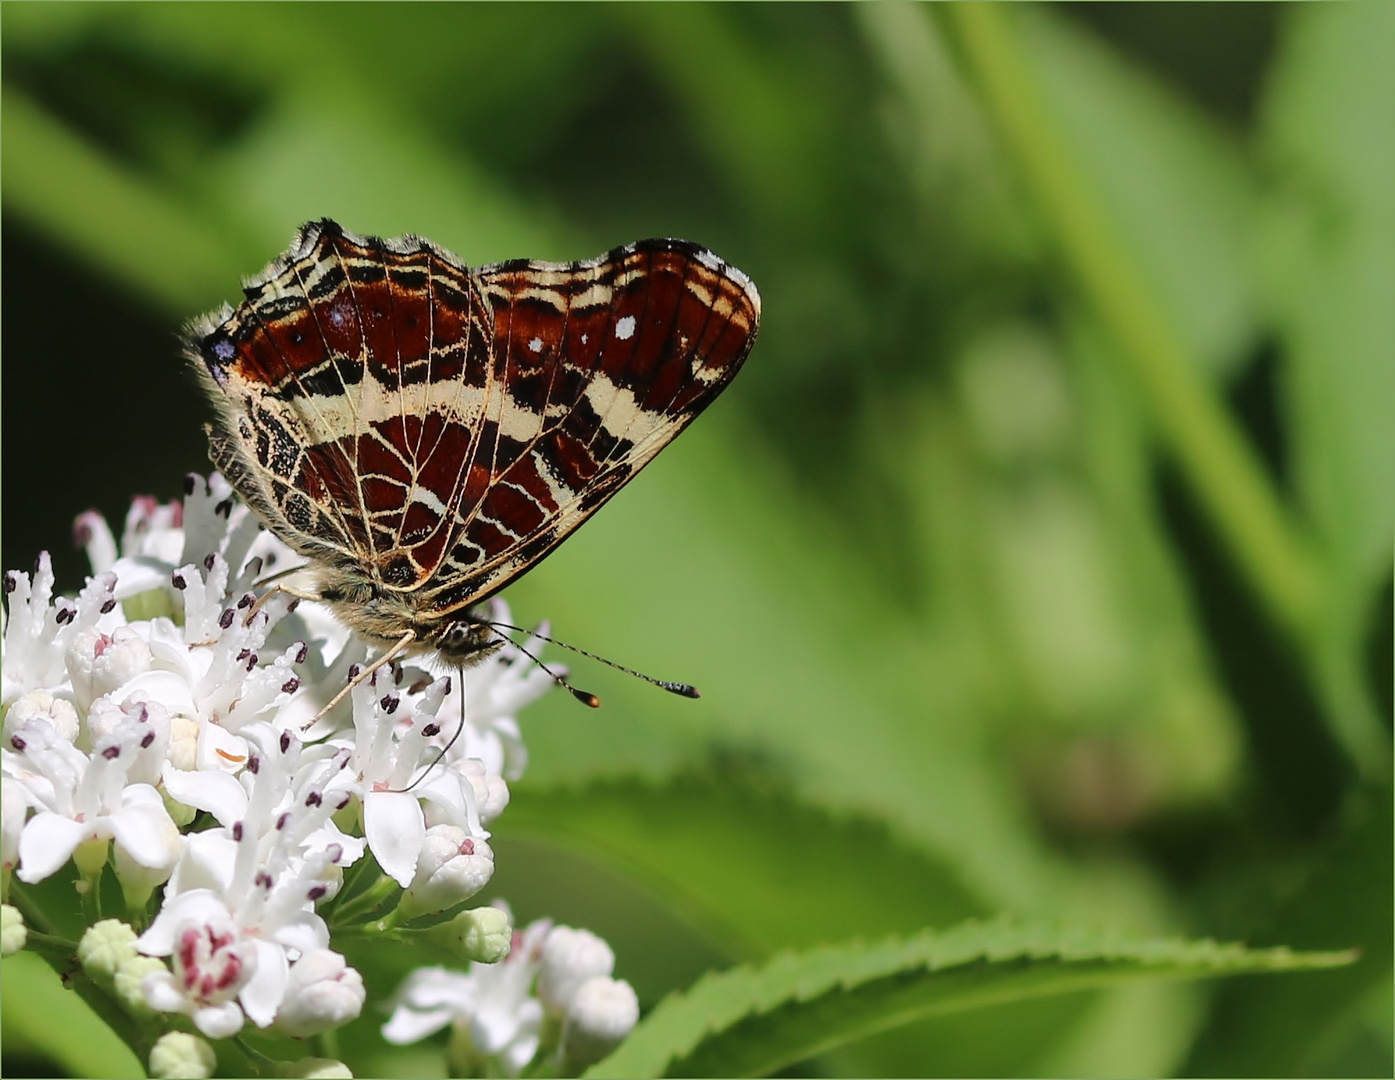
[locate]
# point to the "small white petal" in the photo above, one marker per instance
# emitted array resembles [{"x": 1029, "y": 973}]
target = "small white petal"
[
  {"x": 219, "y": 1021},
  {"x": 395, "y": 829},
  {"x": 262, "y": 994},
  {"x": 47, "y": 842}
]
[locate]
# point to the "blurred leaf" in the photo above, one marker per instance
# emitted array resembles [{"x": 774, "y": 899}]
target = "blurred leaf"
[
  {"x": 1278, "y": 1028},
  {"x": 806, "y": 876},
  {"x": 753, "y": 1021},
  {"x": 1175, "y": 186},
  {"x": 1329, "y": 277},
  {"x": 140, "y": 235},
  {"x": 42, "y": 1017},
  {"x": 773, "y": 629}
]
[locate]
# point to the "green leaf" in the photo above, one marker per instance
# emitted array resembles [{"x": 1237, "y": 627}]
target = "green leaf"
[
  {"x": 41, "y": 1017},
  {"x": 1329, "y": 228},
  {"x": 1282, "y": 1027},
  {"x": 753, "y": 1021},
  {"x": 1175, "y": 186},
  {"x": 806, "y": 876}
]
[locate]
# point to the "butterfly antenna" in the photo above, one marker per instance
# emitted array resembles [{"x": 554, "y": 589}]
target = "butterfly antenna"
[
  {"x": 582, "y": 696},
  {"x": 681, "y": 689}
]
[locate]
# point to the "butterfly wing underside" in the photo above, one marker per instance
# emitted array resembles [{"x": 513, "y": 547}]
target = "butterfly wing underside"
[{"x": 436, "y": 430}]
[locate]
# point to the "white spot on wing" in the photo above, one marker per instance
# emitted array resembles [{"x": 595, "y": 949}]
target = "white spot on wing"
[
  {"x": 625, "y": 328},
  {"x": 535, "y": 345},
  {"x": 583, "y": 339}
]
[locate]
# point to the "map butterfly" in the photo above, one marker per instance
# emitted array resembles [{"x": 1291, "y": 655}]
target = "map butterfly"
[{"x": 424, "y": 433}]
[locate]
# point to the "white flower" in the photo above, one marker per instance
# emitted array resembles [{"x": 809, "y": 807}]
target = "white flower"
[
  {"x": 496, "y": 689},
  {"x": 496, "y": 1021},
  {"x": 569, "y": 958},
  {"x": 322, "y": 993},
  {"x": 82, "y": 798},
  {"x": 392, "y": 770}
]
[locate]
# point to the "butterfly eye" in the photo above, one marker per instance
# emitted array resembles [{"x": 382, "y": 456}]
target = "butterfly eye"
[{"x": 456, "y": 636}]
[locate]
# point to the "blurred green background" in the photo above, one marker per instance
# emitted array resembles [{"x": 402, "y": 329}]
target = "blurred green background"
[{"x": 1040, "y": 559}]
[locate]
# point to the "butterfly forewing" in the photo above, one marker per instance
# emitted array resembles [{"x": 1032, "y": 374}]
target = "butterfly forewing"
[{"x": 436, "y": 431}]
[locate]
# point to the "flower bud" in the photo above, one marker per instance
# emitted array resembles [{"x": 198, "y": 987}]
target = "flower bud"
[
  {"x": 104, "y": 947},
  {"x": 41, "y": 705},
  {"x": 98, "y": 664},
  {"x": 316, "y": 1068},
  {"x": 490, "y": 789},
  {"x": 451, "y": 868},
  {"x": 130, "y": 977},
  {"x": 177, "y": 1054},
  {"x": 601, "y": 1013},
  {"x": 481, "y": 934},
  {"x": 13, "y": 933},
  {"x": 322, "y": 992},
  {"x": 569, "y": 958}
]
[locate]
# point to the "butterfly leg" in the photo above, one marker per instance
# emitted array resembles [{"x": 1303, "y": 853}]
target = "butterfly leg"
[{"x": 367, "y": 672}]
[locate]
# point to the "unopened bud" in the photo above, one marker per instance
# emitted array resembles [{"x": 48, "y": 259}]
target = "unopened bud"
[
  {"x": 322, "y": 992},
  {"x": 13, "y": 933},
  {"x": 177, "y": 1054},
  {"x": 569, "y": 958},
  {"x": 452, "y": 867},
  {"x": 104, "y": 947},
  {"x": 481, "y": 934},
  {"x": 601, "y": 1013}
]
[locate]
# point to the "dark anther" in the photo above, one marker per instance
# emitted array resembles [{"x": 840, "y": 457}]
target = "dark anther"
[
  {"x": 244, "y": 654},
  {"x": 316, "y": 892},
  {"x": 11, "y": 581},
  {"x": 389, "y": 704},
  {"x": 295, "y": 603},
  {"x": 237, "y": 830},
  {"x": 302, "y": 652},
  {"x": 281, "y": 821},
  {"x": 251, "y": 661},
  {"x": 226, "y": 619},
  {"x": 285, "y": 741},
  {"x": 314, "y": 799},
  {"x": 109, "y": 605},
  {"x": 63, "y": 616},
  {"x": 111, "y": 753},
  {"x": 208, "y": 561},
  {"x": 17, "y": 742},
  {"x": 431, "y": 729},
  {"x": 247, "y": 600},
  {"x": 290, "y": 686},
  {"x": 189, "y": 481},
  {"x": 263, "y": 879},
  {"x": 149, "y": 738},
  {"x": 178, "y": 581},
  {"x": 354, "y": 669},
  {"x": 343, "y": 803},
  {"x": 254, "y": 764},
  {"x": 224, "y": 508}
]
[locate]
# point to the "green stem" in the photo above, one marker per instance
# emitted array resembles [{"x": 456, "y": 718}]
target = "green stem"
[
  {"x": 363, "y": 904},
  {"x": 1219, "y": 464}
]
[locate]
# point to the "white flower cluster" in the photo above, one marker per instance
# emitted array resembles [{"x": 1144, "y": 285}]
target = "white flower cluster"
[
  {"x": 167, "y": 693},
  {"x": 553, "y": 993}
]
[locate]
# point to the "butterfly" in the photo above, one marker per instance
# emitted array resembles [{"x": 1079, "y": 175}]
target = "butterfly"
[{"x": 423, "y": 433}]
